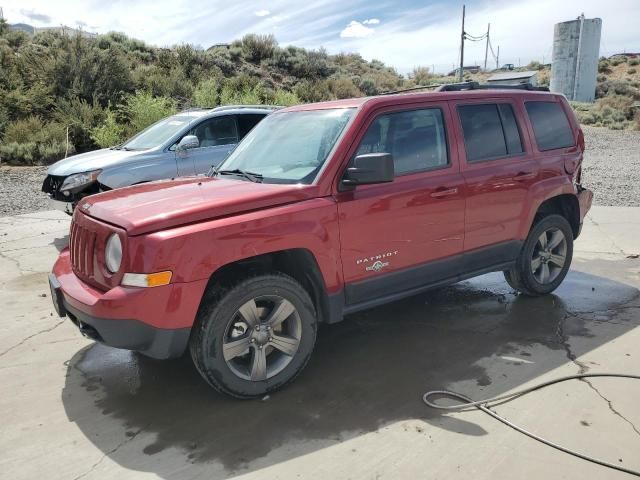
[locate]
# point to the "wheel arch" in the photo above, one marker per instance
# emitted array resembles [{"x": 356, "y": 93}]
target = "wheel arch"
[
  {"x": 298, "y": 263},
  {"x": 565, "y": 205}
]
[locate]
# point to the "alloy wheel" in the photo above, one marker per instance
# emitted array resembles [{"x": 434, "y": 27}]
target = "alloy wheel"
[
  {"x": 549, "y": 256},
  {"x": 262, "y": 338}
]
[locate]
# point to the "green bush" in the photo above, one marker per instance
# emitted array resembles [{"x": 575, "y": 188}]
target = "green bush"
[
  {"x": 631, "y": 71},
  {"x": 343, "y": 87},
  {"x": 109, "y": 133},
  {"x": 615, "y": 61},
  {"x": 258, "y": 47},
  {"x": 142, "y": 109},
  {"x": 246, "y": 96},
  {"x": 34, "y": 129},
  {"x": 34, "y": 142},
  {"x": 421, "y": 75},
  {"x": 206, "y": 93},
  {"x": 313, "y": 90},
  {"x": 284, "y": 98},
  {"x": 81, "y": 117},
  {"x": 603, "y": 66},
  {"x": 634, "y": 61}
]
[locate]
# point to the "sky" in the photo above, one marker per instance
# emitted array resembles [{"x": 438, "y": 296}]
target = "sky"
[{"x": 402, "y": 33}]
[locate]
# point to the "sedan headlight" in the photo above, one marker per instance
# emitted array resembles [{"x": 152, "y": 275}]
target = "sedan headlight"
[
  {"x": 79, "y": 180},
  {"x": 113, "y": 253}
]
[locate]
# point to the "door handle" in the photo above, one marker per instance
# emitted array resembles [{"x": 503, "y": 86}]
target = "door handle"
[
  {"x": 521, "y": 176},
  {"x": 444, "y": 192}
]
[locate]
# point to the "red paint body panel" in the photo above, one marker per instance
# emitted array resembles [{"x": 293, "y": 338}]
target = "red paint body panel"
[
  {"x": 159, "y": 205},
  {"x": 168, "y": 307},
  {"x": 196, "y": 226},
  {"x": 404, "y": 217}
]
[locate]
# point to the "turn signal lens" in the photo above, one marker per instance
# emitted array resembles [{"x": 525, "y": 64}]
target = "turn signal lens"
[{"x": 147, "y": 279}]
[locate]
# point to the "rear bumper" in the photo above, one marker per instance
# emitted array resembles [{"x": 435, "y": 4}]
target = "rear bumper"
[
  {"x": 153, "y": 321},
  {"x": 585, "y": 198}
]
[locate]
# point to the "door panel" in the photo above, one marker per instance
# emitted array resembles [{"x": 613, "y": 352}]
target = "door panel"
[
  {"x": 497, "y": 188},
  {"x": 217, "y": 136},
  {"x": 205, "y": 158},
  {"x": 184, "y": 162},
  {"x": 393, "y": 228}
]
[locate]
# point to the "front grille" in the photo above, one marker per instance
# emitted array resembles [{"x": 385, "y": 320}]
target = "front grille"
[
  {"x": 82, "y": 242},
  {"x": 52, "y": 184}
]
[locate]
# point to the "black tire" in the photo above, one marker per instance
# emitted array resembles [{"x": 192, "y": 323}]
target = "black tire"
[
  {"x": 529, "y": 281},
  {"x": 220, "y": 312}
]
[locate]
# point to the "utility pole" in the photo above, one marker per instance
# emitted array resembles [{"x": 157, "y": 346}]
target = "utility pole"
[
  {"x": 498, "y": 58},
  {"x": 461, "y": 72},
  {"x": 486, "y": 48}
]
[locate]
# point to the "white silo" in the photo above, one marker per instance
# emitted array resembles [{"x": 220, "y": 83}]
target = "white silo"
[{"x": 576, "y": 47}]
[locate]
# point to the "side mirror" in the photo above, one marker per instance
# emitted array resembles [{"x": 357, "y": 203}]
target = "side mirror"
[
  {"x": 188, "y": 142},
  {"x": 370, "y": 168}
]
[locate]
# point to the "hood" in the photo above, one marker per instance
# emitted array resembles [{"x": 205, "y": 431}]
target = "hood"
[
  {"x": 164, "y": 204},
  {"x": 95, "y": 160}
]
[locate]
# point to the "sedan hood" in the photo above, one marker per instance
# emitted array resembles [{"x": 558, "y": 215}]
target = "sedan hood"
[
  {"x": 85, "y": 162},
  {"x": 164, "y": 204}
]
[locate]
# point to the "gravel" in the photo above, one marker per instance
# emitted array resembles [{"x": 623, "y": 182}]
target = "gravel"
[
  {"x": 20, "y": 190},
  {"x": 611, "y": 166},
  {"x": 611, "y": 169}
]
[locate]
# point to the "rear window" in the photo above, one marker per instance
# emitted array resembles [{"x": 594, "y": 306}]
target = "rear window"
[
  {"x": 550, "y": 125},
  {"x": 490, "y": 131}
]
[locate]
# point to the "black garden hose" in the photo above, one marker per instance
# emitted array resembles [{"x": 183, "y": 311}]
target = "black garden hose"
[{"x": 484, "y": 405}]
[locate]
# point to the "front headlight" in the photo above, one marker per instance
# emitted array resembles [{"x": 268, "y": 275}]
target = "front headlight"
[
  {"x": 79, "y": 179},
  {"x": 113, "y": 253}
]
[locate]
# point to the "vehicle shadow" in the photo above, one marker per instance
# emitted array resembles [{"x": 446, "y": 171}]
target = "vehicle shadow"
[
  {"x": 367, "y": 372},
  {"x": 61, "y": 242}
]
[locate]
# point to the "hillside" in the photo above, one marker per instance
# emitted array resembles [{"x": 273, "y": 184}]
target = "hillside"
[
  {"x": 63, "y": 94},
  {"x": 105, "y": 89}
]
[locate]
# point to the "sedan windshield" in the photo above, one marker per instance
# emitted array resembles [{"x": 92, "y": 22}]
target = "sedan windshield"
[
  {"x": 158, "y": 133},
  {"x": 288, "y": 147}
]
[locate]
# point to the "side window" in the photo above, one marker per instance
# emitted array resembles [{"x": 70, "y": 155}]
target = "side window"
[
  {"x": 216, "y": 131},
  {"x": 247, "y": 122},
  {"x": 550, "y": 125},
  {"x": 510, "y": 127},
  {"x": 415, "y": 138},
  {"x": 490, "y": 131}
]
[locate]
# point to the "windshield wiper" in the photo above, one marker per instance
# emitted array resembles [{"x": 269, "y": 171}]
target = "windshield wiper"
[{"x": 254, "y": 177}]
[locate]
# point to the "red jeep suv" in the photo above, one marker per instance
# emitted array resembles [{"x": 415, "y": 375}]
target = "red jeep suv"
[{"x": 323, "y": 210}]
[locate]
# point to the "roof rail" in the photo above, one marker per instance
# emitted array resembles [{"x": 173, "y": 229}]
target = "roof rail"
[
  {"x": 234, "y": 107},
  {"x": 411, "y": 89},
  {"x": 456, "y": 87}
]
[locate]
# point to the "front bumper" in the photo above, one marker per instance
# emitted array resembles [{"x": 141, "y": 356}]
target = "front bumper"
[{"x": 153, "y": 321}]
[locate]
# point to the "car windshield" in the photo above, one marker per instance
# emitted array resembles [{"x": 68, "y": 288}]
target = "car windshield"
[
  {"x": 289, "y": 147},
  {"x": 158, "y": 133}
]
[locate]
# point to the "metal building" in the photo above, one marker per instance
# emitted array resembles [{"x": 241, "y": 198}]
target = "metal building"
[{"x": 576, "y": 47}]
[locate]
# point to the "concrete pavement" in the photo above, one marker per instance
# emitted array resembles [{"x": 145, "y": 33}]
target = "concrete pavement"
[{"x": 72, "y": 409}]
